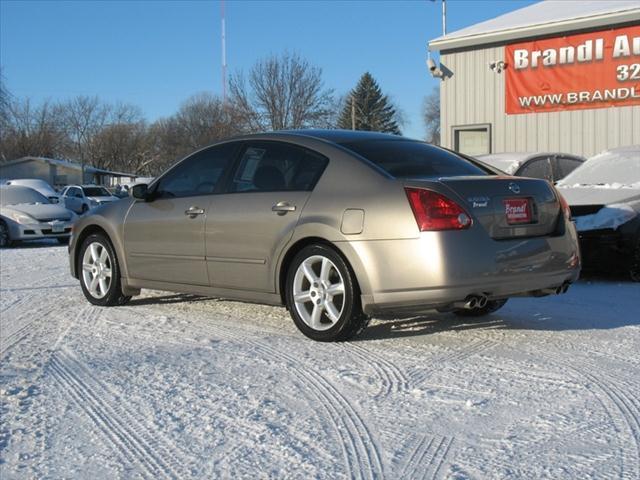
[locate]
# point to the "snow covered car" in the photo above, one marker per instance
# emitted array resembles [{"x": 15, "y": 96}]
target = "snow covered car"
[
  {"x": 26, "y": 214},
  {"x": 336, "y": 225},
  {"x": 81, "y": 199},
  {"x": 548, "y": 166},
  {"x": 39, "y": 185},
  {"x": 604, "y": 197}
]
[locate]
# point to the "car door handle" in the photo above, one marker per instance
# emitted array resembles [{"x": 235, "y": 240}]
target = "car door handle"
[
  {"x": 282, "y": 208},
  {"x": 193, "y": 212}
]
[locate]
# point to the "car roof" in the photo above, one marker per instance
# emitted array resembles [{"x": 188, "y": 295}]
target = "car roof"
[{"x": 334, "y": 136}]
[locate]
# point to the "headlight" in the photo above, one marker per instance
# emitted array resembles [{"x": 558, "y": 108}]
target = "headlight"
[
  {"x": 94, "y": 203},
  {"x": 22, "y": 218}
]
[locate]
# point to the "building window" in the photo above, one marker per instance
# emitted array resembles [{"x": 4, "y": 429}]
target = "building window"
[{"x": 472, "y": 139}]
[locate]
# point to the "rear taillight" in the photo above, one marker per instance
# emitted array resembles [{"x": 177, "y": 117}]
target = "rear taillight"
[
  {"x": 564, "y": 205},
  {"x": 434, "y": 211}
]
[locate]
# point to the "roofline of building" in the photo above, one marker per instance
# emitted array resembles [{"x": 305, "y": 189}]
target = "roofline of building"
[
  {"x": 68, "y": 164},
  {"x": 516, "y": 33}
]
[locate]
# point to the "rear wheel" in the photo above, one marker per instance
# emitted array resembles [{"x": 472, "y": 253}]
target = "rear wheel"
[
  {"x": 634, "y": 269},
  {"x": 5, "y": 236},
  {"x": 100, "y": 273},
  {"x": 322, "y": 295},
  {"x": 490, "y": 307}
]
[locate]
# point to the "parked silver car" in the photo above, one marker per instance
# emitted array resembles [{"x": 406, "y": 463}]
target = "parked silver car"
[
  {"x": 548, "y": 166},
  {"x": 82, "y": 198},
  {"x": 337, "y": 225},
  {"x": 26, "y": 214}
]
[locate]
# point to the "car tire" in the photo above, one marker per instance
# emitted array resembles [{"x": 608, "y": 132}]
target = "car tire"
[
  {"x": 634, "y": 268},
  {"x": 322, "y": 295},
  {"x": 490, "y": 307},
  {"x": 5, "y": 235},
  {"x": 84, "y": 209},
  {"x": 97, "y": 258}
]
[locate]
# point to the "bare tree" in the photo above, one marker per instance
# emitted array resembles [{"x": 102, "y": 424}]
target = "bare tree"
[
  {"x": 431, "y": 116},
  {"x": 82, "y": 117},
  {"x": 281, "y": 92},
  {"x": 30, "y": 130}
]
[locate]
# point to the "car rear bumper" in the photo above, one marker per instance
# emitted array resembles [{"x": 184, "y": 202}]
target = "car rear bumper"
[{"x": 440, "y": 268}]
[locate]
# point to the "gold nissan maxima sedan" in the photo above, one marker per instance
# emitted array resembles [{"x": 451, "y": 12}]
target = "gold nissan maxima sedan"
[{"x": 335, "y": 225}]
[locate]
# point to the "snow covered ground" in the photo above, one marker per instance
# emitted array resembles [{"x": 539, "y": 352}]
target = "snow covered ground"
[{"x": 174, "y": 386}]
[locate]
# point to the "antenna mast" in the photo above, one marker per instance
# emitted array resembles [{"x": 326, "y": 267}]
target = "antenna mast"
[{"x": 224, "y": 55}]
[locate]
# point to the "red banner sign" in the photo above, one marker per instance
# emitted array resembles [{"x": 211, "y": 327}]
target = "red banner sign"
[{"x": 590, "y": 70}]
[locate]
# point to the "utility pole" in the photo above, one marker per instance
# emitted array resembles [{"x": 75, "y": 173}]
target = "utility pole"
[
  {"x": 224, "y": 55},
  {"x": 444, "y": 17}
]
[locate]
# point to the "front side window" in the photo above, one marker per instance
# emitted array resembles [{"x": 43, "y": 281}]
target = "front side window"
[
  {"x": 198, "y": 174},
  {"x": 276, "y": 166}
]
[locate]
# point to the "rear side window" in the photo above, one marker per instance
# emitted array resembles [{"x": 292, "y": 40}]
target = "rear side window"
[
  {"x": 538, "y": 168},
  {"x": 566, "y": 166},
  {"x": 277, "y": 166},
  {"x": 413, "y": 160}
]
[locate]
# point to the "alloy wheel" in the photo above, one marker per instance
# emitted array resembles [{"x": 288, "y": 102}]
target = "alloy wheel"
[
  {"x": 319, "y": 292},
  {"x": 4, "y": 235},
  {"x": 96, "y": 269}
]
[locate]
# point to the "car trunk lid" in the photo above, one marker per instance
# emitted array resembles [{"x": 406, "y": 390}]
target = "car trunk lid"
[{"x": 506, "y": 207}]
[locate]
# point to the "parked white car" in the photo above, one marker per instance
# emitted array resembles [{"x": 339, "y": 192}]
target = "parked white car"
[
  {"x": 604, "y": 197},
  {"x": 26, "y": 214},
  {"x": 82, "y": 198},
  {"x": 38, "y": 185}
]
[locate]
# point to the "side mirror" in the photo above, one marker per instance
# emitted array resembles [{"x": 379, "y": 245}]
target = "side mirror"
[{"x": 140, "y": 191}]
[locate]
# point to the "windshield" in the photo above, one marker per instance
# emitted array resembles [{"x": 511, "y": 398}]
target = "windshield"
[
  {"x": 17, "y": 195},
  {"x": 410, "y": 159},
  {"x": 608, "y": 168},
  {"x": 96, "y": 192}
]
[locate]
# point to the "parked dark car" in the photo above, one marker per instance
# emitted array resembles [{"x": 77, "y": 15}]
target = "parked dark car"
[
  {"x": 547, "y": 166},
  {"x": 604, "y": 197}
]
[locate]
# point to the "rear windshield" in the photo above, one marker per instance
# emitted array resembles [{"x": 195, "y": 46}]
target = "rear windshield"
[{"x": 413, "y": 160}]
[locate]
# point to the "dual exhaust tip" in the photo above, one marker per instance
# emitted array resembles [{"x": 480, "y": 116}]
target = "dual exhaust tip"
[
  {"x": 557, "y": 290},
  {"x": 480, "y": 301},
  {"x": 471, "y": 302}
]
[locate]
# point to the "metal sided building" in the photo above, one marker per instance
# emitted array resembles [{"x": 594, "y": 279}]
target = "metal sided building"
[{"x": 554, "y": 76}]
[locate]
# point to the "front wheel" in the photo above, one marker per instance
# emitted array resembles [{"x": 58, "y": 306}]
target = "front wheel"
[
  {"x": 634, "y": 268},
  {"x": 322, "y": 295},
  {"x": 100, "y": 272},
  {"x": 490, "y": 307},
  {"x": 5, "y": 236}
]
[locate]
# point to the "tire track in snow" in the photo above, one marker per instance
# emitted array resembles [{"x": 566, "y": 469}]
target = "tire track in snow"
[
  {"x": 457, "y": 356},
  {"x": 392, "y": 379},
  {"x": 361, "y": 453},
  {"x": 627, "y": 406},
  {"x": 619, "y": 400},
  {"x": 427, "y": 458},
  {"x": 136, "y": 443},
  {"x": 23, "y": 328}
]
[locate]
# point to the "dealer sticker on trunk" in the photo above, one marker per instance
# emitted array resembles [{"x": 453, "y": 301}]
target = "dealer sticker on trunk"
[{"x": 517, "y": 210}]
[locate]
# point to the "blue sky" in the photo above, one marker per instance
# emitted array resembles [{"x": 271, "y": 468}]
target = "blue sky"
[{"x": 156, "y": 54}]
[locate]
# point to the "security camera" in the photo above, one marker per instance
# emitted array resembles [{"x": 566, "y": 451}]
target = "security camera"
[
  {"x": 492, "y": 65},
  {"x": 433, "y": 68},
  {"x": 497, "y": 66}
]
